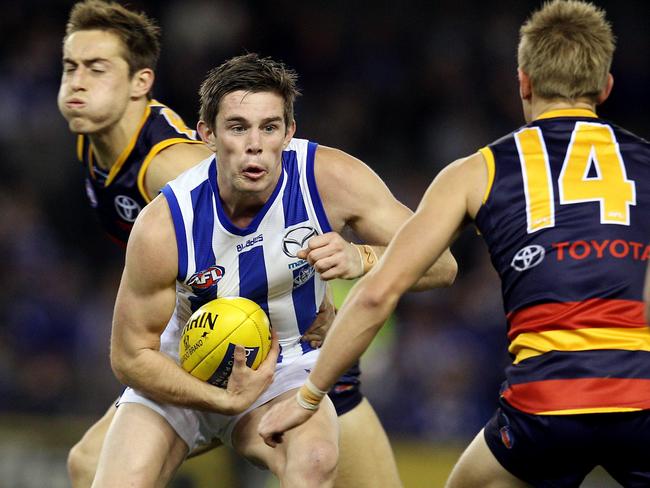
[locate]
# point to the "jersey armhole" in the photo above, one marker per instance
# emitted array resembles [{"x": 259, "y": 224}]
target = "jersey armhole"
[
  {"x": 179, "y": 229},
  {"x": 489, "y": 163},
  {"x": 147, "y": 161}
]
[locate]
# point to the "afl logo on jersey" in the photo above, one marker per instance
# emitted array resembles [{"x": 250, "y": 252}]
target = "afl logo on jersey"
[
  {"x": 528, "y": 257},
  {"x": 90, "y": 193},
  {"x": 207, "y": 278},
  {"x": 296, "y": 239},
  {"x": 127, "y": 208}
]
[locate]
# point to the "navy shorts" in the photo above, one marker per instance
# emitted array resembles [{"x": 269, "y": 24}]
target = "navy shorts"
[
  {"x": 346, "y": 393},
  {"x": 560, "y": 450}
]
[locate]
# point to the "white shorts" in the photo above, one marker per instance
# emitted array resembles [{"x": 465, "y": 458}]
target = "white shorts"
[{"x": 198, "y": 428}]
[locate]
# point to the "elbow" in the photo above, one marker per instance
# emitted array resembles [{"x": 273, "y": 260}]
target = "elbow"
[
  {"x": 380, "y": 298},
  {"x": 449, "y": 273},
  {"x": 120, "y": 368}
]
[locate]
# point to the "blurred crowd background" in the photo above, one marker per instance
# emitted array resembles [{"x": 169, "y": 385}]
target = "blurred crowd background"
[{"x": 405, "y": 86}]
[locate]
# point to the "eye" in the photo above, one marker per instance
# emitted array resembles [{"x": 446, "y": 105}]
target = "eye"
[
  {"x": 237, "y": 129},
  {"x": 69, "y": 68},
  {"x": 270, "y": 128}
]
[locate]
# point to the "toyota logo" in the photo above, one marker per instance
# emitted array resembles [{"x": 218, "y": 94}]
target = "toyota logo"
[
  {"x": 296, "y": 239},
  {"x": 528, "y": 257},
  {"x": 127, "y": 208}
]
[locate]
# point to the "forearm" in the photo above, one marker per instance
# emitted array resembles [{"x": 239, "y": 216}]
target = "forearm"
[
  {"x": 159, "y": 377},
  {"x": 441, "y": 274},
  {"x": 352, "y": 331}
]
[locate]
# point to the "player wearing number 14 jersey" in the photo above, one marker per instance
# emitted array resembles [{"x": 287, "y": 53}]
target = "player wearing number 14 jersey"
[
  {"x": 563, "y": 204},
  {"x": 566, "y": 224}
]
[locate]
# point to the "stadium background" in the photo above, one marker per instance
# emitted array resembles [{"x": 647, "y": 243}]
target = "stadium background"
[{"x": 405, "y": 86}]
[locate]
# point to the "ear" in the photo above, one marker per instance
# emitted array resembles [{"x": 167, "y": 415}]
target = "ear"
[
  {"x": 604, "y": 94},
  {"x": 142, "y": 82},
  {"x": 207, "y": 135},
  {"x": 291, "y": 130},
  {"x": 525, "y": 86}
]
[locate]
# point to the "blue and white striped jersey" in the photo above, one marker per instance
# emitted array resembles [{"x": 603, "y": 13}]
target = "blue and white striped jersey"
[{"x": 218, "y": 259}]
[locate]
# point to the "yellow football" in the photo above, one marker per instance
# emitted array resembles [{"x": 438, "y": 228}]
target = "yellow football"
[{"x": 209, "y": 337}]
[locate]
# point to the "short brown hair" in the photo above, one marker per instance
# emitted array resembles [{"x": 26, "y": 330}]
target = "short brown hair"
[
  {"x": 250, "y": 73},
  {"x": 139, "y": 34},
  {"x": 566, "y": 49}
]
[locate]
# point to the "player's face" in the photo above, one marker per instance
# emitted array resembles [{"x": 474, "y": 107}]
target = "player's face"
[
  {"x": 95, "y": 85},
  {"x": 249, "y": 139}
]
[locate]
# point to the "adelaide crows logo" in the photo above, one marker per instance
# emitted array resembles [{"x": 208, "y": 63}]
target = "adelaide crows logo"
[{"x": 296, "y": 239}]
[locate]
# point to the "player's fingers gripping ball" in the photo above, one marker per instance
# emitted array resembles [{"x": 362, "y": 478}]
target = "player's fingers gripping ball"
[{"x": 207, "y": 345}]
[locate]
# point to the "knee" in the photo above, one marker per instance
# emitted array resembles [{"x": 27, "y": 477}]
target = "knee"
[
  {"x": 317, "y": 461},
  {"x": 81, "y": 464}
]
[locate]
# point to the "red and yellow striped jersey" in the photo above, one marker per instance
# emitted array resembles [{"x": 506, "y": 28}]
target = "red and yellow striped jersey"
[{"x": 566, "y": 218}]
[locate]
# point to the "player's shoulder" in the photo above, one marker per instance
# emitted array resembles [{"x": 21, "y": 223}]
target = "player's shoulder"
[
  {"x": 194, "y": 176},
  {"x": 164, "y": 123}
]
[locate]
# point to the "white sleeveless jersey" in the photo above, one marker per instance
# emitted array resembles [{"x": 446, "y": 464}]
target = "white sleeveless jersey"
[{"x": 218, "y": 259}]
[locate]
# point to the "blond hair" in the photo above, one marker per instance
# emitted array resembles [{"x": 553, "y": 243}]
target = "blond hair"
[{"x": 566, "y": 49}]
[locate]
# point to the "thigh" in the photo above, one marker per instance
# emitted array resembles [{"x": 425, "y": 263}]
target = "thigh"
[
  {"x": 478, "y": 468},
  {"x": 140, "y": 449},
  {"x": 93, "y": 438},
  {"x": 366, "y": 459},
  {"x": 321, "y": 427}
]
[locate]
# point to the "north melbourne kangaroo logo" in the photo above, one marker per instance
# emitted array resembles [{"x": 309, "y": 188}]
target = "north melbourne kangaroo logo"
[{"x": 296, "y": 239}]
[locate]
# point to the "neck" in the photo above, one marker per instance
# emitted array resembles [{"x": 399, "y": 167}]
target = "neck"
[
  {"x": 110, "y": 143},
  {"x": 242, "y": 206},
  {"x": 540, "y": 106},
  {"x": 242, "y": 210}
]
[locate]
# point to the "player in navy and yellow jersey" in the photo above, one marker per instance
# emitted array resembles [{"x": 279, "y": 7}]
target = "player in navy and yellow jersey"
[
  {"x": 564, "y": 206},
  {"x": 130, "y": 147},
  {"x": 119, "y": 192}
]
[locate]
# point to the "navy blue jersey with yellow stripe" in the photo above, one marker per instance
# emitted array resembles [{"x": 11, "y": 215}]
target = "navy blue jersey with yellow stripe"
[
  {"x": 566, "y": 218},
  {"x": 118, "y": 196}
]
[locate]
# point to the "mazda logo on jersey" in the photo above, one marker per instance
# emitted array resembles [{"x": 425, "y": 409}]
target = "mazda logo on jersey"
[
  {"x": 296, "y": 239},
  {"x": 127, "y": 208},
  {"x": 528, "y": 257}
]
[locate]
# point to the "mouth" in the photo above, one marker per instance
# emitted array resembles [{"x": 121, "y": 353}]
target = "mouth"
[
  {"x": 253, "y": 172},
  {"x": 75, "y": 103}
]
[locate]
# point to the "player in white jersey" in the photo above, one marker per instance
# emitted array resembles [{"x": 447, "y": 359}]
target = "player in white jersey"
[{"x": 246, "y": 213}]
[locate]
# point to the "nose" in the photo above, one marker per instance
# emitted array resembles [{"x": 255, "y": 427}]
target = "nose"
[
  {"x": 254, "y": 142},
  {"x": 77, "y": 78}
]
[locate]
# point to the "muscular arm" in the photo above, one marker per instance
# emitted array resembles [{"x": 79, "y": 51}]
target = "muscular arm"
[
  {"x": 353, "y": 195},
  {"x": 171, "y": 162},
  {"x": 145, "y": 302}
]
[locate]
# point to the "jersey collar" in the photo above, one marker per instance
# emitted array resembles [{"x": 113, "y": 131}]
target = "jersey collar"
[{"x": 568, "y": 112}]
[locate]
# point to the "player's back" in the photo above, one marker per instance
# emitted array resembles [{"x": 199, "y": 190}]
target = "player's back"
[{"x": 567, "y": 221}]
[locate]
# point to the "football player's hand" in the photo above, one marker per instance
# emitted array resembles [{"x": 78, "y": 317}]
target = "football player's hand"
[
  {"x": 332, "y": 256},
  {"x": 317, "y": 331},
  {"x": 283, "y": 416},
  {"x": 245, "y": 385}
]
